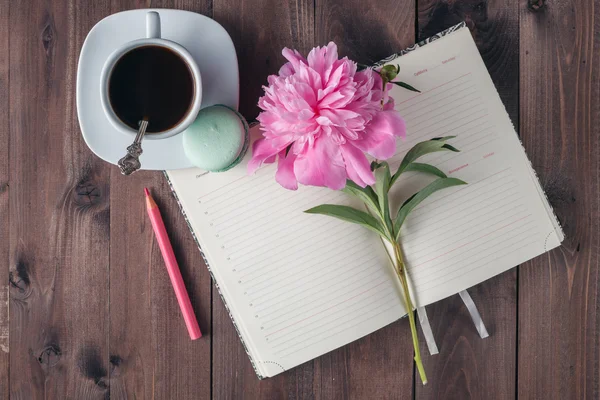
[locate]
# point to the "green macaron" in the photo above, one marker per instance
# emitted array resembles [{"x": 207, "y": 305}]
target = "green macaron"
[{"x": 217, "y": 140}]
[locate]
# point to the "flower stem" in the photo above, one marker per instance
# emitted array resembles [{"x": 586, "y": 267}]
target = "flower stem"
[{"x": 401, "y": 272}]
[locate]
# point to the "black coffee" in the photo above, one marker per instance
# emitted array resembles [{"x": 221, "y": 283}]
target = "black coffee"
[{"x": 151, "y": 82}]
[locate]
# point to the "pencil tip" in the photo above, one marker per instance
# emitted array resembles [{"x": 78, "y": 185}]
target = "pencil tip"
[{"x": 146, "y": 192}]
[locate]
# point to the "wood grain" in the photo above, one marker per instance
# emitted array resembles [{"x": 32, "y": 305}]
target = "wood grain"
[
  {"x": 468, "y": 367},
  {"x": 379, "y": 365},
  {"x": 59, "y": 216},
  {"x": 347, "y": 371},
  {"x": 366, "y": 32},
  {"x": 560, "y": 117},
  {"x": 151, "y": 354},
  {"x": 260, "y": 29},
  {"x": 4, "y": 196},
  {"x": 92, "y": 312},
  {"x": 150, "y": 350}
]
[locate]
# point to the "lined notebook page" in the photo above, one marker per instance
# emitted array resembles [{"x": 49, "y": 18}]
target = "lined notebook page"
[{"x": 298, "y": 285}]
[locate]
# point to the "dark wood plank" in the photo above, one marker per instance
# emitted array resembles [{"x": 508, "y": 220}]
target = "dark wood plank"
[
  {"x": 260, "y": 29},
  {"x": 150, "y": 349},
  {"x": 560, "y": 119},
  {"x": 379, "y": 365},
  {"x": 467, "y": 366},
  {"x": 4, "y": 196},
  {"x": 59, "y": 215},
  {"x": 366, "y": 31},
  {"x": 151, "y": 353}
]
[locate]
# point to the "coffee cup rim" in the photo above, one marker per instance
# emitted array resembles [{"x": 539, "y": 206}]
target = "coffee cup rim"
[{"x": 116, "y": 56}]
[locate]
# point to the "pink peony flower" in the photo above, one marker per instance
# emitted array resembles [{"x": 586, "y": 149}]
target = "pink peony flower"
[{"x": 320, "y": 116}]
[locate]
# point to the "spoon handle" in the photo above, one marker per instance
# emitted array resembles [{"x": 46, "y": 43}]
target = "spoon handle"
[
  {"x": 141, "y": 132},
  {"x": 131, "y": 163}
]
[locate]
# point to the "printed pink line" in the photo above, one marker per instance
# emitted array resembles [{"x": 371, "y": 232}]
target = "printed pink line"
[
  {"x": 404, "y": 148},
  {"x": 466, "y": 244},
  {"x": 437, "y": 87},
  {"x": 461, "y": 261},
  {"x": 474, "y": 234},
  {"x": 444, "y": 98},
  {"x": 449, "y": 217},
  {"x": 472, "y": 269},
  {"x": 463, "y": 188},
  {"x": 483, "y": 144},
  {"x": 327, "y": 309},
  {"x": 457, "y": 127}
]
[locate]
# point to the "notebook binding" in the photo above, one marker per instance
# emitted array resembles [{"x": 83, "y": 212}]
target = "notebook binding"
[{"x": 422, "y": 43}]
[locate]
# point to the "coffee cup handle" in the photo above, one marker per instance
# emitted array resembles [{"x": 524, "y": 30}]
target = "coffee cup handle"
[{"x": 152, "y": 25}]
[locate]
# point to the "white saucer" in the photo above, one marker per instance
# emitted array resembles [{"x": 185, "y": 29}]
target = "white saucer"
[{"x": 204, "y": 38}]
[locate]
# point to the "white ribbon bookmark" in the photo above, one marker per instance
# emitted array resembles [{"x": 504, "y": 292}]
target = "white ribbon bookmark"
[
  {"x": 479, "y": 325},
  {"x": 475, "y": 316},
  {"x": 427, "y": 332}
]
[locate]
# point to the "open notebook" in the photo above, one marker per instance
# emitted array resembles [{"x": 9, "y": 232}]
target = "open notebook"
[{"x": 298, "y": 285}]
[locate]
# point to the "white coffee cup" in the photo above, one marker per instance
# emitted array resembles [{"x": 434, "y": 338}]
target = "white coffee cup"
[{"x": 152, "y": 38}]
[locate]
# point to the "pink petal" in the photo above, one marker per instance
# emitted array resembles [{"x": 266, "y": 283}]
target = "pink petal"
[
  {"x": 393, "y": 121},
  {"x": 321, "y": 58},
  {"x": 310, "y": 76},
  {"x": 306, "y": 93},
  {"x": 331, "y": 55},
  {"x": 357, "y": 166},
  {"x": 330, "y": 98},
  {"x": 346, "y": 96},
  {"x": 339, "y": 116},
  {"x": 378, "y": 144},
  {"x": 282, "y": 141},
  {"x": 316, "y": 59},
  {"x": 321, "y": 165},
  {"x": 285, "y": 171},
  {"x": 331, "y": 114},
  {"x": 379, "y": 137},
  {"x": 333, "y": 80},
  {"x": 294, "y": 58},
  {"x": 262, "y": 151},
  {"x": 286, "y": 70},
  {"x": 389, "y": 105},
  {"x": 323, "y": 121}
]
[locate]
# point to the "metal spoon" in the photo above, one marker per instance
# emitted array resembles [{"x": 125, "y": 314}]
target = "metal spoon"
[{"x": 131, "y": 163}]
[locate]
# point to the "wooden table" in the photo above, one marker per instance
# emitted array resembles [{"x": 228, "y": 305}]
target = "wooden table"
[{"x": 87, "y": 311}]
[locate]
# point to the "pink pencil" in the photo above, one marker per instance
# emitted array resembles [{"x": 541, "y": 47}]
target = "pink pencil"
[{"x": 167, "y": 252}]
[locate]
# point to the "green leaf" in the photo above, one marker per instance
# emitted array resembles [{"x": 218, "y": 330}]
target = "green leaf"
[
  {"x": 451, "y": 148},
  {"x": 418, "y": 197},
  {"x": 419, "y": 150},
  {"x": 406, "y": 86},
  {"x": 426, "y": 168},
  {"x": 366, "y": 195},
  {"x": 382, "y": 187},
  {"x": 375, "y": 165},
  {"x": 350, "y": 214},
  {"x": 444, "y": 138},
  {"x": 408, "y": 200}
]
